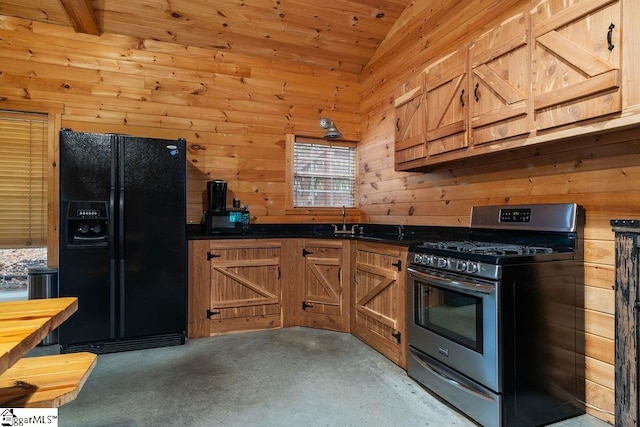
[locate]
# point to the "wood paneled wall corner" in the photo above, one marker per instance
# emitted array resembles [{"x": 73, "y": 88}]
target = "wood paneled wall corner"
[{"x": 596, "y": 171}]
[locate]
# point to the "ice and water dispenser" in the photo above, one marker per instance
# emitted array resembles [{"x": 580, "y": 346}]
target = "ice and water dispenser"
[{"x": 87, "y": 223}]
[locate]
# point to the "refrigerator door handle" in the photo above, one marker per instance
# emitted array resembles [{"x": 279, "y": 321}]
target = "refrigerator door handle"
[
  {"x": 112, "y": 263},
  {"x": 121, "y": 262},
  {"x": 121, "y": 323},
  {"x": 113, "y": 249}
]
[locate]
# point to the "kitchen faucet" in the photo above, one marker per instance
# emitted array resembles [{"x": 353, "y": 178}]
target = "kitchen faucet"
[{"x": 344, "y": 224}]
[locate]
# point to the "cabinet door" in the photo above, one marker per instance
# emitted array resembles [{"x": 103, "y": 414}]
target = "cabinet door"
[
  {"x": 500, "y": 82},
  {"x": 411, "y": 122},
  {"x": 198, "y": 292},
  {"x": 378, "y": 296},
  {"x": 245, "y": 285},
  {"x": 447, "y": 103},
  {"x": 324, "y": 300},
  {"x": 576, "y": 60}
]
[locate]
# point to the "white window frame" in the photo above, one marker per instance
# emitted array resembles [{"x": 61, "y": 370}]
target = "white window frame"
[{"x": 291, "y": 141}]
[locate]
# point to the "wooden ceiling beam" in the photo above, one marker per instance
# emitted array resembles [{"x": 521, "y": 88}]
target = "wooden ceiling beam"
[{"x": 81, "y": 15}]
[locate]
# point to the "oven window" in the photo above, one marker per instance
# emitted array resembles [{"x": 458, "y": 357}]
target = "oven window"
[{"x": 454, "y": 315}]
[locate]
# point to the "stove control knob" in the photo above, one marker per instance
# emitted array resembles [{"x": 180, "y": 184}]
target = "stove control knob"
[
  {"x": 472, "y": 267},
  {"x": 417, "y": 258},
  {"x": 441, "y": 262},
  {"x": 461, "y": 265},
  {"x": 428, "y": 260}
]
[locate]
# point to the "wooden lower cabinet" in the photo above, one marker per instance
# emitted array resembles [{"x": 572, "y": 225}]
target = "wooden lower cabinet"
[
  {"x": 337, "y": 284},
  {"x": 378, "y": 299},
  {"x": 319, "y": 284},
  {"x": 234, "y": 285},
  {"x": 198, "y": 284}
]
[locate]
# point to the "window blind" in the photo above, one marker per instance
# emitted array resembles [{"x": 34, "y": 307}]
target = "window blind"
[
  {"x": 323, "y": 175},
  {"x": 23, "y": 180}
]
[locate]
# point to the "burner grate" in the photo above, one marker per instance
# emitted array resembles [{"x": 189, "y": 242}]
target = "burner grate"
[{"x": 487, "y": 248}]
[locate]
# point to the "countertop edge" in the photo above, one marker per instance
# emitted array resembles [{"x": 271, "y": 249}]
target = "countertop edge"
[{"x": 374, "y": 233}]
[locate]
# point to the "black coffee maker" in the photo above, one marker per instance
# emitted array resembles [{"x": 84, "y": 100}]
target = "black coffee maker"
[
  {"x": 217, "y": 194},
  {"x": 219, "y": 219}
]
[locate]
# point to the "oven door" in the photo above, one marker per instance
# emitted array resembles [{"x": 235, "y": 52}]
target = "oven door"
[{"x": 454, "y": 319}]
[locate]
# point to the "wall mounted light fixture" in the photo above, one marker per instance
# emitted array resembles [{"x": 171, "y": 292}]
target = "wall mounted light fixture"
[{"x": 332, "y": 131}]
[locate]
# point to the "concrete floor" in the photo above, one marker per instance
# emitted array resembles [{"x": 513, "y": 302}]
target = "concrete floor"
[{"x": 285, "y": 377}]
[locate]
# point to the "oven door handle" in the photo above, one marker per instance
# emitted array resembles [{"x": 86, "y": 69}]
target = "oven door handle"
[
  {"x": 458, "y": 285},
  {"x": 448, "y": 379}
]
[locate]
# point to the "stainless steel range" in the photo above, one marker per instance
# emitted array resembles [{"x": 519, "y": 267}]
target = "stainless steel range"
[{"x": 494, "y": 322}]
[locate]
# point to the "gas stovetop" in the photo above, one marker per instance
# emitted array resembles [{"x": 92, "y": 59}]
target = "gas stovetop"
[
  {"x": 503, "y": 235},
  {"x": 485, "y": 248},
  {"x": 480, "y": 259}
]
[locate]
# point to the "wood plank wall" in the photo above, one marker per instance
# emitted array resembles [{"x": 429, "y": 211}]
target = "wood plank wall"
[
  {"x": 600, "y": 173},
  {"x": 233, "y": 110}
]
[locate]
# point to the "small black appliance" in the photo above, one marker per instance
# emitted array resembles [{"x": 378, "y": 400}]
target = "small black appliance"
[
  {"x": 217, "y": 193},
  {"x": 228, "y": 221},
  {"x": 219, "y": 219}
]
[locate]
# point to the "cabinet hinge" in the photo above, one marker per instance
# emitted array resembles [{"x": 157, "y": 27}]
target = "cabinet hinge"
[
  {"x": 398, "y": 337},
  {"x": 305, "y": 252},
  {"x": 211, "y": 313},
  {"x": 398, "y": 265},
  {"x": 211, "y": 255}
]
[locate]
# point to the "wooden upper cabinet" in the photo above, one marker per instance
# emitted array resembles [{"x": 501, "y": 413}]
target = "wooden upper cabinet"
[
  {"x": 576, "y": 60},
  {"x": 500, "y": 82},
  {"x": 411, "y": 123},
  {"x": 551, "y": 64},
  {"x": 447, "y": 98}
]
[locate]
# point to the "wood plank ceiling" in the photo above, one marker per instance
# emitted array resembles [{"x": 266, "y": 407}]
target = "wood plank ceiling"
[{"x": 333, "y": 34}]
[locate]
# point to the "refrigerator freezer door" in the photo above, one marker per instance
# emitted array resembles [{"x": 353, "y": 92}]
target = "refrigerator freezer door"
[
  {"x": 152, "y": 251},
  {"x": 85, "y": 270}
]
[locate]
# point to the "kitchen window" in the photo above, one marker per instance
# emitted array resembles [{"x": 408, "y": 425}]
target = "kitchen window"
[
  {"x": 322, "y": 173},
  {"x": 23, "y": 180},
  {"x": 23, "y": 191}
]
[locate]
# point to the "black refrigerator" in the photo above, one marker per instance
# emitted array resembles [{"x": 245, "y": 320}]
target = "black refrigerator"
[{"x": 122, "y": 242}]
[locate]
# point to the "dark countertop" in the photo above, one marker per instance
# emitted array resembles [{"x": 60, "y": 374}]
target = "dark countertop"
[{"x": 394, "y": 234}]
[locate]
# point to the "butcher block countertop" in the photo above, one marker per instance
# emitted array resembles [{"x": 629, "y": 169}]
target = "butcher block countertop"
[{"x": 45, "y": 381}]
